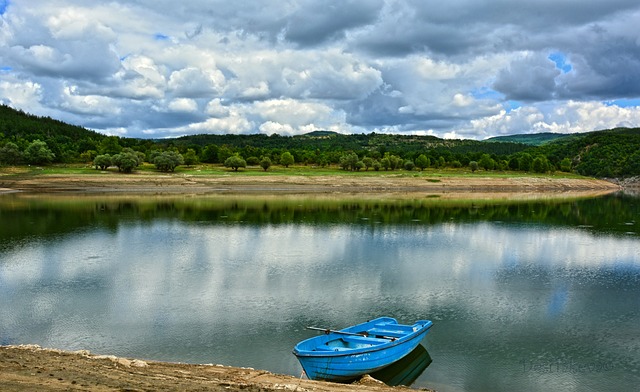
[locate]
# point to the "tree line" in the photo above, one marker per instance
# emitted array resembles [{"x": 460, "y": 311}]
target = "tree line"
[{"x": 28, "y": 139}]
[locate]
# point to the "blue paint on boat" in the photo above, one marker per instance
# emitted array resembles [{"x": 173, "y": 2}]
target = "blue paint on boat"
[{"x": 361, "y": 349}]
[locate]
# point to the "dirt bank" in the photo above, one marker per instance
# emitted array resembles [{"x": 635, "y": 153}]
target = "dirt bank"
[
  {"x": 280, "y": 184},
  {"x": 30, "y": 368}
]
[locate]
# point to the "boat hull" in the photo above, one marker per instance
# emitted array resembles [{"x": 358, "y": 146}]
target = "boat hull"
[{"x": 390, "y": 342}]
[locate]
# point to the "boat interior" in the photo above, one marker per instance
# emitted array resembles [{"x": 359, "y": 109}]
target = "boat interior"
[{"x": 380, "y": 334}]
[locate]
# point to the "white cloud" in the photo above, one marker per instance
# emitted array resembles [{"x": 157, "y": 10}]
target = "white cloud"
[
  {"x": 156, "y": 68},
  {"x": 256, "y": 92},
  {"x": 216, "y": 109},
  {"x": 87, "y": 104},
  {"x": 193, "y": 82},
  {"x": 25, "y": 95},
  {"x": 185, "y": 105},
  {"x": 569, "y": 117},
  {"x": 233, "y": 124},
  {"x": 293, "y": 112},
  {"x": 271, "y": 127}
]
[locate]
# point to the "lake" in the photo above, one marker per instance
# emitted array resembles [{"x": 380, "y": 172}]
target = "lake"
[{"x": 524, "y": 295}]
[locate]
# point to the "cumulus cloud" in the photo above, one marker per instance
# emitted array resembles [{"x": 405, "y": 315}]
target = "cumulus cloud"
[
  {"x": 463, "y": 68},
  {"x": 569, "y": 117},
  {"x": 183, "y": 105},
  {"x": 529, "y": 78},
  {"x": 21, "y": 94},
  {"x": 194, "y": 82}
]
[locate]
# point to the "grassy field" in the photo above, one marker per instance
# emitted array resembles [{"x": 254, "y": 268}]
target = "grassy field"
[{"x": 430, "y": 174}]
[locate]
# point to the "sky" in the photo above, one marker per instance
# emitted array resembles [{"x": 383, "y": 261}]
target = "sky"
[{"x": 468, "y": 69}]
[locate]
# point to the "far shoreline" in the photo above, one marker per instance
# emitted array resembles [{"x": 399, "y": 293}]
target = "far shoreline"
[{"x": 401, "y": 185}]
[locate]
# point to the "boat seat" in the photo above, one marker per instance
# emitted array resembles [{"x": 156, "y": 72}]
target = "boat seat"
[
  {"x": 396, "y": 327},
  {"x": 364, "y": 339},
  {"x": 329, "y": 348},
  {"x": 387, "y": 332}
]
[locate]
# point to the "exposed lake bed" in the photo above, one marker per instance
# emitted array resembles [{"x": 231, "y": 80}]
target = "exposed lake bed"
[
  {"x": 316, "y": 184},
  {"x": 530, "y": 262}
]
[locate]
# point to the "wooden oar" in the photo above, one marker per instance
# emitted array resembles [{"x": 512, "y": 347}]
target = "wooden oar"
[{"x": 364, "y": 334}]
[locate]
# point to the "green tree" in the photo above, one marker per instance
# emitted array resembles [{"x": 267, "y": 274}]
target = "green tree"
[
  {"x": 235, "y": 162},
  {"x": 110, "y": 145},
  {"x": 323, "y": 160},
  {"x": 286, "y": 159},
  {"x": 409, "y": 165},
  {"x": 253, "y": 161},
  {"x": 125, "y": 161},
  {"x": 102, "y": 162},
  {"x": 167, "y": 161},
  {"x": 38, "y": 153},
  {"x": 540, "y": 164},
  {"x": 631, "y": 165},
  {"x": 265, "y": 163},
  {"x": 394, "y": 162},
  {"x": 384, "y": 162},
  {"x": 139, "y": 156},
  {"x": 210, "y": 154},
  {"x": 190, "y": 157},
  {"x": 368, "y": 162},
  {"x": 565, "y": 165},
  {"x": 88, "y": 156},
  {"x": 422, "y": 162},
  {"x": 525, "y": 162},
  {"x": 376, "y": 165},
  {"x": 486, "y": 162},
  {"x": 473, "y": 165},
  {"x": 10, "y": 154},
  {"x": 348, "y": 161},
  {"x": 514, "y": 164},
  {"x": 224, "y": 152}
]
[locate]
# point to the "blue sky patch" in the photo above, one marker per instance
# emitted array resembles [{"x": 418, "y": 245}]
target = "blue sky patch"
[
  {"x": 560, "y": 60},
  {"x": 5, "y": 68},
  {"x": 511, "y": 105},
  {"x": 624, "y": 103},
  {"x": 3, "y": 6},
  {"x": 486, "y": 93},
  {"x": 159, "y": 36}
]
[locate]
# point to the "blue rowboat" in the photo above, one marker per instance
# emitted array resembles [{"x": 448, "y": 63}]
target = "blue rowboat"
[{"x": 361, "y": 349}]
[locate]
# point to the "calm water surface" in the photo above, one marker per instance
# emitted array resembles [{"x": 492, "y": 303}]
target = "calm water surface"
[{"x": 530, "y": 296}]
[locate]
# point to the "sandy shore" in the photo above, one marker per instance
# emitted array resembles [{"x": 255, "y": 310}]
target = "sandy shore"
[
  {"x": 31, "y": 368},
  {"x": 474, "y": 186}
]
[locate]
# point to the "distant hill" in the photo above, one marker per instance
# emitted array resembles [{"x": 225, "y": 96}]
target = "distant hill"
[
  {"x": 607, "y": 153},
  {"x": 320, "y": 134},
  {"x": 18, "y": 124},
  {"x": 533, "y": 139}
]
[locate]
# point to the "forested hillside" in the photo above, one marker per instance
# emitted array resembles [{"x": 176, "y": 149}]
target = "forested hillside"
[
  {"x": 534, "y": 139},
  {"x": 28, "y": 139},
  {"x": 608, "y": 153}
]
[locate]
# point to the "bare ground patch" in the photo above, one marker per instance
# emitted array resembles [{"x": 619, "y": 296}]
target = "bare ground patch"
[
  {"x": 280, "y": 184},
  {"x": 31, "y": 368}
]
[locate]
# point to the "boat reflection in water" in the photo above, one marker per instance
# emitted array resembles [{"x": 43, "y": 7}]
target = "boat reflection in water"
[{"x": 407, "y": 370}]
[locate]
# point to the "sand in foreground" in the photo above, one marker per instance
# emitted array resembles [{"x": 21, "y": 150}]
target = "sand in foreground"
[{"x": 31, "y": 368}]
